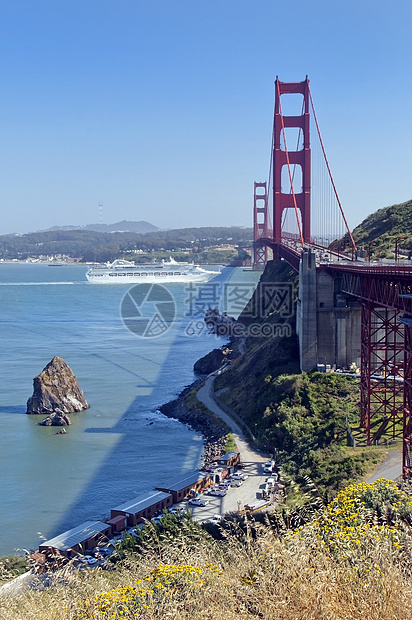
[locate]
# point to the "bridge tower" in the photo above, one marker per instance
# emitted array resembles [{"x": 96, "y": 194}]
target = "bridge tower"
[
  {"x": 260, "y": 225},
  {"x": 284, "y": 163},
  {"x": 283, "y": 157}
]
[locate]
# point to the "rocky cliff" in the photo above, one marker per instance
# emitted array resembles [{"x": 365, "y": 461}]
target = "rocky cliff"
[{"x": 56, "y": 388}]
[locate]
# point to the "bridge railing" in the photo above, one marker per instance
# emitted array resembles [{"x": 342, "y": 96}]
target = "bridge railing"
[{"x": 375, "y": 270}]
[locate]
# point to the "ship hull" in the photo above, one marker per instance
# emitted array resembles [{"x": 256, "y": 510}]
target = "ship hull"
[{"x": 107, "y": 276}]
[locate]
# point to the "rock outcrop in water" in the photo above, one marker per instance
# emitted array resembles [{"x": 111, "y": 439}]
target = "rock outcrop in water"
[
  {"x": 58, "y": 418},
  {"x": 55, "y": 390}
]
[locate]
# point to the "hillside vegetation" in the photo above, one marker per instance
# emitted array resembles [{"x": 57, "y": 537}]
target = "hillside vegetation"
[
  {"x": 302, "y": 418},
  {"x": 383, "y": 229},
  {"x": 89, "y": 245}
]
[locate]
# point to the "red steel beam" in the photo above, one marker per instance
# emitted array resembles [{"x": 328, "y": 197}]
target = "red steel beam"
[
  {"x": 382, "y": 370},
  {"x": 407, "y": 403}
]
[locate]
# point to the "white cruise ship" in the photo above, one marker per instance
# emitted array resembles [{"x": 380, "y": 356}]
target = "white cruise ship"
[{"x": 126, "y": 272}]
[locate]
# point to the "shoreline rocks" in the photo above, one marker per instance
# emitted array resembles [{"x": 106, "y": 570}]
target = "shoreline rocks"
[
  {"x": 211, "y": 361},
  {"x": 213, "y": 430},
  {"x": 56, "y": 389}
]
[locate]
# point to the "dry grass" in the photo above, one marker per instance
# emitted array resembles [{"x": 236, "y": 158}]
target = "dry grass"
[
  {"x": 270, "y": 579},
  {"x": 248, "y": 574}
]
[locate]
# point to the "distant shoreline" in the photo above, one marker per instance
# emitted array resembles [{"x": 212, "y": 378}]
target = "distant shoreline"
[{"x": 49, "y": 263}]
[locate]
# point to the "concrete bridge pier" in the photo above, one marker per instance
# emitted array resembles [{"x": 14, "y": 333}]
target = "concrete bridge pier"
[{"x": 328, "y": 322}]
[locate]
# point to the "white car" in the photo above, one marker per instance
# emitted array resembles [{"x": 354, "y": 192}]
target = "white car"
[
  {"x": 177, "y": 511},
  {"x": 224, "y": 485},
  {"x": 217, "y": 492},
  {"x": 195, "y": 501},
  {"x": 216, "y": 519},
  {"x": 236, "y": 483},
  {"x": 239, "y": 476},
  {"x": 268, "y": 467}
]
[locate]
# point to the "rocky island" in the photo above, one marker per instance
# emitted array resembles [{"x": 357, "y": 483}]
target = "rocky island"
[{"x": 56, "y": 393}]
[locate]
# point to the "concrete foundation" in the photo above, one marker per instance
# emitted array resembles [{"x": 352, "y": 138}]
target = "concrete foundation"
[{"x": 327, "y": 321}]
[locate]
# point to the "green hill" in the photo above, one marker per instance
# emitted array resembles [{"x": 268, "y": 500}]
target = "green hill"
[
  {"x": 383, "y": 228},
  {"x": 198, "y": 244}
]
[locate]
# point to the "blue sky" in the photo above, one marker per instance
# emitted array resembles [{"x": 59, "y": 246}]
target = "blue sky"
[{"x": 162, "y": 110}]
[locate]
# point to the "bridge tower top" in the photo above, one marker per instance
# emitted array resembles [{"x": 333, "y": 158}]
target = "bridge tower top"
[{"x": 284, "y": 159}]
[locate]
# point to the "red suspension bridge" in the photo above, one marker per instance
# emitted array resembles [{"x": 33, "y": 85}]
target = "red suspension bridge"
[{"x": 298, "y": 217}]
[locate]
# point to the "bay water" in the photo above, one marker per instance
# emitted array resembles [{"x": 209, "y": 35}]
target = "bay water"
[{"x": 122, "y": 446}]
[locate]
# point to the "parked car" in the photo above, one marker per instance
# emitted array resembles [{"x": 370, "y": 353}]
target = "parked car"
[
  {"x": 196, "y": 501},
  {"x": 236, "y": 483},
  {"x": 239, "y": 476},
  {"x": 177, "y": 510},
  {"x": 268, "y": 468},
  {"x": 224, "y": 485},
  {"x": 90, "y": 559},
  {"x": 105, "y": 551},
  {"x": 217, "y": 492},
  {"x": 80, "y": 562},
  {"x": 216, "y": 519}
]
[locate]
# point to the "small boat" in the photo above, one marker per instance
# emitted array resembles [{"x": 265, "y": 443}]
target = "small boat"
[{"x": 167, "y": 272}]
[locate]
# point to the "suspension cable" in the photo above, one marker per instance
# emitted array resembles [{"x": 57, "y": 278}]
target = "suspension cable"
[
  {"x": 289, "y": 171},
  {"x": 329, "y": 171}
]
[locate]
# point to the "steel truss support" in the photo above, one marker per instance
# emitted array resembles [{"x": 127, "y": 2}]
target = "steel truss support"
[
  {"x": 407, "y": 404},
  {"x": 260, "y": 225},
  {"x": 382, "y": 370}
]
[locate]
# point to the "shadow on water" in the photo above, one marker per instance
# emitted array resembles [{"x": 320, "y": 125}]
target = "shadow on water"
[
  {"x": 99, "y": 355},
  {"x": 130, "y": 448},
  {"x": 14, "y": 409},
  {"x": 143, "y": 439}
]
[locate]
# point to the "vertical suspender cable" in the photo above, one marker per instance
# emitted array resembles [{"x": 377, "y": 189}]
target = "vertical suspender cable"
[{"x": 330, "y": 173}]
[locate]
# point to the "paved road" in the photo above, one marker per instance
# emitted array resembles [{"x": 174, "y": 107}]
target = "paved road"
[
  {"x": 390, "y": 468},
  {"x": 254, "y": 462}
]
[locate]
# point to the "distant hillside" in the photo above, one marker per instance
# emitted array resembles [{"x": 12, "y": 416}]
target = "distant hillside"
[
  {"x": 383, "y": 228},
  {"x": 123, "y": 226},
  {"x": 89, "y": 245}
]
